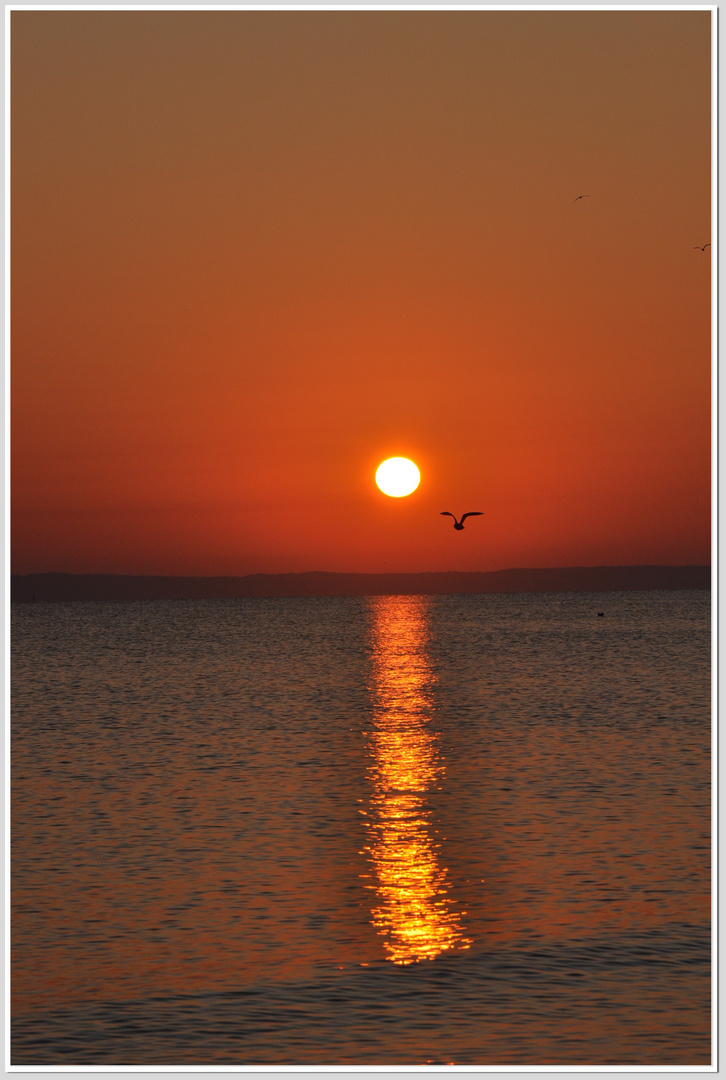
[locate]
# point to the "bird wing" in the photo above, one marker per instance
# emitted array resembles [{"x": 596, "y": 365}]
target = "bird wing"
[
  {"x": 447, "y": 513},
  {"x": 472, "y": 513}
]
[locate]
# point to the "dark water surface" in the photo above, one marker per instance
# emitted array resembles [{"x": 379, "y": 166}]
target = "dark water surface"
[{"x": 387, "y": 830}]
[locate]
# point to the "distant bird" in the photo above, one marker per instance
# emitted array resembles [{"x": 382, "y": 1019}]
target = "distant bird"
[
  {"x": 459, "y": 525},
  {"x": 697, "y": 247},
  {"x": 581, "y": 197},
  {"x": 600, "y": 614}
]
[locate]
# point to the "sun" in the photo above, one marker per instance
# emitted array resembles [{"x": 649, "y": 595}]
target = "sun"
[{"x": 397, "y": 476}]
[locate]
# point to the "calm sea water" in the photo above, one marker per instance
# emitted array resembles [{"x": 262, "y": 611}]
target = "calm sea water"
[{"x": 386, "y": 830}]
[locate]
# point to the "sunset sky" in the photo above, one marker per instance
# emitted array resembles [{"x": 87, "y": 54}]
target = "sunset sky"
[{"x": 256, "y": 253}]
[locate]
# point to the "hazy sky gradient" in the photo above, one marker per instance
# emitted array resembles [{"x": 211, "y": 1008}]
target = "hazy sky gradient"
[{"x": 254, "y": 253}]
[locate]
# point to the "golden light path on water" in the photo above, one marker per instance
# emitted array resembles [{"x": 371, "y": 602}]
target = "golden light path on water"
[{"x": 414, "y": 912}]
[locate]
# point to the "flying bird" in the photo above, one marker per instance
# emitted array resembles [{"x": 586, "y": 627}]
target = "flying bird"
[
  {"x": 459, "y": 525},
  {"x": 697, "y": 247},
  {"x": 581, "y": 197}
]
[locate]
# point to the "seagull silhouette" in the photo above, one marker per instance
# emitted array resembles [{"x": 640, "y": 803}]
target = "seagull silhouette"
[
  {"x": 459, "y": 525},
  {"x": 581, "y": 197},
  {"x": 697, "y": 247}
]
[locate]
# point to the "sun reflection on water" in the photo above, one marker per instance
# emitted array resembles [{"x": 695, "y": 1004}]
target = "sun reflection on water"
[{"x": 414, "y": 912}]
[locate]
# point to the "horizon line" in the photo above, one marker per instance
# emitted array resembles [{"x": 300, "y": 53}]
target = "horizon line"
[
  {"x": 250, "y": 574},
  {"x": 361, "y": 573}
]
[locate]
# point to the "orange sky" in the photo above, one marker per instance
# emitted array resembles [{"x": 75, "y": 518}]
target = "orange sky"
[{"x": 255, "y": 253}]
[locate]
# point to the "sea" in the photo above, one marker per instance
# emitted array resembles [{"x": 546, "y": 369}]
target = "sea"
[{"x": 468, "y": 830}]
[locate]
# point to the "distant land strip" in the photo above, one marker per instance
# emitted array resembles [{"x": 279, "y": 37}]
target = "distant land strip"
[{"x": 26, "y": 588}]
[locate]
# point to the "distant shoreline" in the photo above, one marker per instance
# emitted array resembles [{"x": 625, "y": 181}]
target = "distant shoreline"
[{"x": 59, "y": 587}]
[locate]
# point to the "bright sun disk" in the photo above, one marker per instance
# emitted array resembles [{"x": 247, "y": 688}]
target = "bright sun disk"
[{"x": 397, "y": 476}]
